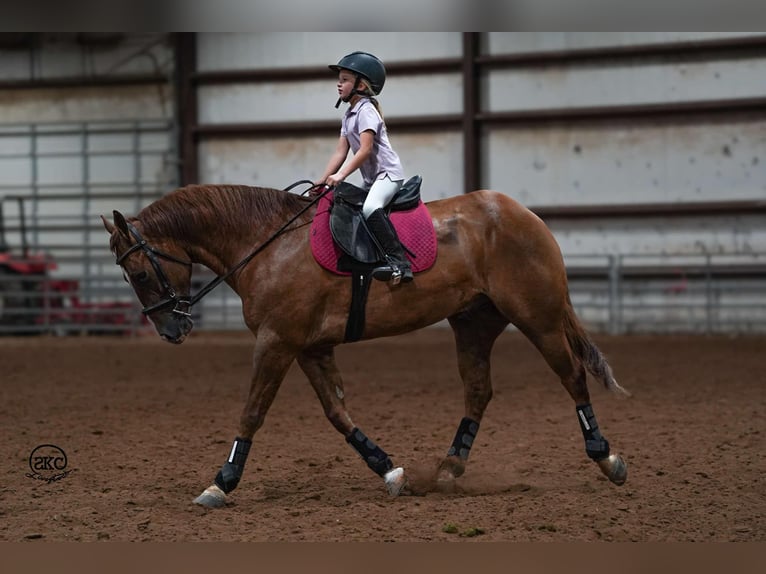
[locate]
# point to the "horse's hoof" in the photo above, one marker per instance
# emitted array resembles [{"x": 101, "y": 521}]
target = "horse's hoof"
[
  {"x": 450, "y": 468},
  {"x": 614, "y": 468},
  {"x": 213, "y": 497},
  {"x": 445, "y": 476},
  {"x": 396, "y": 481}
]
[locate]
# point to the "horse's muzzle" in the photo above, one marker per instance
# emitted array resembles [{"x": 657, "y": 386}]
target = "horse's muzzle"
[{"x": 174, "y": 328}]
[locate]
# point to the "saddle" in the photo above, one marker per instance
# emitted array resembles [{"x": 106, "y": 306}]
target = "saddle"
[
  {"x": 341, "y": 243},
  {"x": 347, "y": 224}
]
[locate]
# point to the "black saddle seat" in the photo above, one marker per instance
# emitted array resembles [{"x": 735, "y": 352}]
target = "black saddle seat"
[{"x": 406, "y": 198}]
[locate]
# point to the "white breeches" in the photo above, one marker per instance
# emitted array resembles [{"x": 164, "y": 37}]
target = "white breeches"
[{"x": 381, "y": 192}]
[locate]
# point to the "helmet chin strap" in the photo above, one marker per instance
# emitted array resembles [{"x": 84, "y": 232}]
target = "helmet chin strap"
[{"x": 351, "y": 94}]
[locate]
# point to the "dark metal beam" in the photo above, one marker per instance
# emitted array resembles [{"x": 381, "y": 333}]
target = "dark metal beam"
[
  {"x": 617, "y": 112},
  {"x": 302, "y": 128},
  {"x": 697, "y": 208},
  {"x": 93, "y": 81},
  {"x": 718, "y": 270},
  {"x": 471, "y": 99},
  {"x": 186, "y": 94},
  {"x": 721, "y": 48},
  {"x": 300, "y": 74}
]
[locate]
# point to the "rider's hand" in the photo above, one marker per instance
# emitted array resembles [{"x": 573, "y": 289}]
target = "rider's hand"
[
  {"x": 335, "y": 179},
  {"x": 318, "y": 188}
]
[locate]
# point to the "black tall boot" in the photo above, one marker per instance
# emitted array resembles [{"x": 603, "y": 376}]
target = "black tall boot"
[{"x": 385, "y": 234}]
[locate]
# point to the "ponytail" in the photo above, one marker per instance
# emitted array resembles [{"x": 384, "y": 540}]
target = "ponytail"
[
  {"x": 377, "y": 106},
  {"x": 368, "y": 92}
]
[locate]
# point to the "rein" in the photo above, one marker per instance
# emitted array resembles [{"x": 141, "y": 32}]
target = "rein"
[
  {"x": 183, "y": 305},
  {"x": 217, "y": 281}
]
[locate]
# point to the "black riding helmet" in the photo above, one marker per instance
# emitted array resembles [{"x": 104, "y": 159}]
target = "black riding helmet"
[{"x": 366, "y": 65}]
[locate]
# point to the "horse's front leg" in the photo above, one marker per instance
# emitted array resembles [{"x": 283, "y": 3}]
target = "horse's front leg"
[
  {"x": 270, "y": 364},
  {"x": 321, "y": 370}
]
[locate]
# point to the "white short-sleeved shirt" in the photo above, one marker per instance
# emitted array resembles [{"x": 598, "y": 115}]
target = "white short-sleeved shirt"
[{"x": 383, "y": 160}]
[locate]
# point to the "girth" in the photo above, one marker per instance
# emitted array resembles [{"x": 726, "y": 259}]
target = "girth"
[{"x": 350, "y": 233}]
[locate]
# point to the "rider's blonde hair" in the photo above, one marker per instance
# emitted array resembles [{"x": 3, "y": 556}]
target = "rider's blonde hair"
[{"x": 367, "y": 91}]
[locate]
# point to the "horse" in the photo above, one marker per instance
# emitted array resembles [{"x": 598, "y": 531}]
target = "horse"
[{"x": 497, "y": 264}]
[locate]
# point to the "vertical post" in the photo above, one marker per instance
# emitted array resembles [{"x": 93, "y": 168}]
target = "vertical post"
[
  {"x": 86, "y": 190},
  {"x": 471, "y": 143},
  {"x": 615, "y": 320},
  {"x": 35, "y": 184},
  {"x": 709, "y": 292},
  {"x": 186, "y": 106}
]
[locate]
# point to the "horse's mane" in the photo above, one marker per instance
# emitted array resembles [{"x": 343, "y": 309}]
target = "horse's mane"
[{"x": 187, "y": 210}]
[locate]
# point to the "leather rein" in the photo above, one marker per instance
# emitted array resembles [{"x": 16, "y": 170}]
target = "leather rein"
[{"x": 183, "y": 304}]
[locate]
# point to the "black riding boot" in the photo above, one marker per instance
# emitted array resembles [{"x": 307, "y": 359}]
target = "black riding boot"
[{"x": 384, "y": 232}]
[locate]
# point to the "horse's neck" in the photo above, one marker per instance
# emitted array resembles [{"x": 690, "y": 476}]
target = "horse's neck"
[
  {"x": 220, "y": 248},
  {"x": 221, "y": 251}
]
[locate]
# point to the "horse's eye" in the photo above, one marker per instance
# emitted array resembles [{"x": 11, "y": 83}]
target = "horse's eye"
[{"x": 140, "y": 277}]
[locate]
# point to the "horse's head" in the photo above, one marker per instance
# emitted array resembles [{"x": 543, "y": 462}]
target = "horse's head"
[{"x": 160, "y": 273}]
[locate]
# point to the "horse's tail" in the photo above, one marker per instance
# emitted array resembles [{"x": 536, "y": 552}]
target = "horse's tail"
[{"x": 588, "y": 352}]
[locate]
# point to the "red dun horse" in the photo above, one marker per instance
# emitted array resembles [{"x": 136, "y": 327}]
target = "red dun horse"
[{"x": 497, "y": 264}]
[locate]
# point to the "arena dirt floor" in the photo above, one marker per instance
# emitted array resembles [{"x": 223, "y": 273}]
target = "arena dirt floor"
[{"x": 146, "y": 425}]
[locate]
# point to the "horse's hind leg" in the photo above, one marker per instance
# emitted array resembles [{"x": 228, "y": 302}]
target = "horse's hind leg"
[
  {"x": 475, "y": 330},
  {"x": 570, "y": 365},
  {"x": 322, "y": 372}
]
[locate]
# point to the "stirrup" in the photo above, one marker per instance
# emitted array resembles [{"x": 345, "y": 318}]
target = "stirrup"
[
  {"x": 391, "y": 273},
  {"x": 384, "y": 273}
]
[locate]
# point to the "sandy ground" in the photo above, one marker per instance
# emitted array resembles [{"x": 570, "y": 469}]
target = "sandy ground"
[{"x": 146, "y": 425}]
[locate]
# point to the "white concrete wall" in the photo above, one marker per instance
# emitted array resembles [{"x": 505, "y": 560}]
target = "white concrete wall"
[
  {"x": 629, "y": 162},
  {"x": 625, "y": 161},
  {"x": 665, "y": 160}
]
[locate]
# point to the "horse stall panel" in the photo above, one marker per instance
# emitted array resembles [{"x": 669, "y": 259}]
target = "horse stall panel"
[
  {"x": 68, "y": 175},
  {"x": 73, "y": 152},
  {"x": 629, "y": 161},
  {"x": 217, "y": 51}
]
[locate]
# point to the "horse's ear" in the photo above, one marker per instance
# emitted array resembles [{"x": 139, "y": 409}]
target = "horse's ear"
[
  {"x": 122, "y": 225},
  {"x": 108, "y": 225}
]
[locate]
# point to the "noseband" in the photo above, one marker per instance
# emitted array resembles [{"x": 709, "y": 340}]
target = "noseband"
[{"x": 182, "y": 306}]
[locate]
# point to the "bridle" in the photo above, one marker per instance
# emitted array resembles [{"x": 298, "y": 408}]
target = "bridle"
[{"x": 183, "y": 304}]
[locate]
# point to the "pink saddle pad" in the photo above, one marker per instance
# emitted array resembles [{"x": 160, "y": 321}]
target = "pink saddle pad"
[{"x": 415, "y": 229}]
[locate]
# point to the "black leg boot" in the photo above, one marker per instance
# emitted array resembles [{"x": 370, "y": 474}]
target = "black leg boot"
[{"x": 385, "y": 234}]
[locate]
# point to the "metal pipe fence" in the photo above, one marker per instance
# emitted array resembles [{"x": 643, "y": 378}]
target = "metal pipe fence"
[
  {"x": 617, "y": 294},
  {"x": 662, "y": 293}
]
